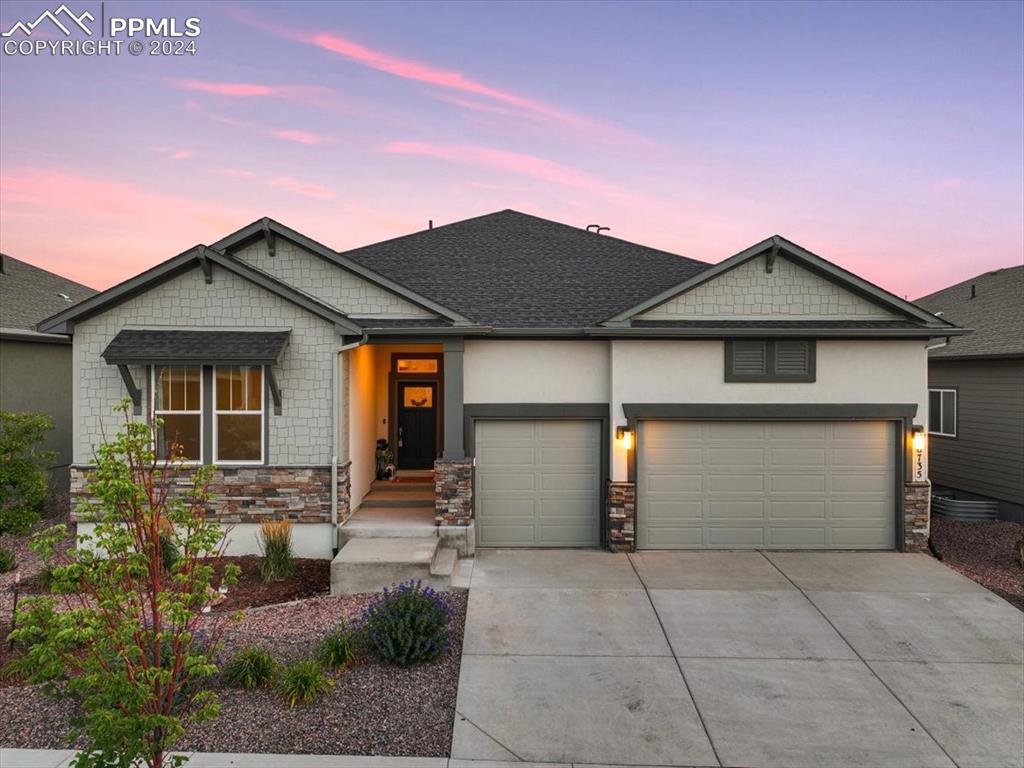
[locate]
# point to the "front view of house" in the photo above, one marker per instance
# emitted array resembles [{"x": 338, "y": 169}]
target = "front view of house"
[{"x": 568, "y": 389}]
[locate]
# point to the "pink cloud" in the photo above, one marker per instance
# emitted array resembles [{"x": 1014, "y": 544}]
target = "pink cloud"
[
  {"x": 236, "y": 90},
  {"x": 516, "y": 163},
  {"x": 182, "y": 154},
  {"x": 301, "y": 137},
  {"x": 237, "y": 173},
  {"x": 306, "y": 189},
  {"x": 950, "y": 183}
]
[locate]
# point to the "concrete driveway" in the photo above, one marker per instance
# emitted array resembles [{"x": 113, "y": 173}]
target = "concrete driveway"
[{"x": 749, "y": 659}]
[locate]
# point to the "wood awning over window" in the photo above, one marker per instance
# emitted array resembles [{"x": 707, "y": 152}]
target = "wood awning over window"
[{"x": 196, "y": 347}]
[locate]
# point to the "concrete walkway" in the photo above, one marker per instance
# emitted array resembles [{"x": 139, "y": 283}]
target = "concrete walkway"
[{"x": 737, "y": 659}]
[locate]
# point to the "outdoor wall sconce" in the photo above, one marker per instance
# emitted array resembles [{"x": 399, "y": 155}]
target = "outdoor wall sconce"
[
  {"x": 917, "y": 441},
  {"x": 625, "y": 437}
]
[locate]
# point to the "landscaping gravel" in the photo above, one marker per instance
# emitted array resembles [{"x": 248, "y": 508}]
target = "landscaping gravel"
[
  {"x": 372, "y": 709},
  {"x": 985, "y": 552}
]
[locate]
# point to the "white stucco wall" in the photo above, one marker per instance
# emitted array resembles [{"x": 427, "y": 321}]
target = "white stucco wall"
[
  {"x": 848, "y": 371},
  {"x": 362, "y": 418},
  {"x": 536, "y": 372},
  {"x": 749, "y": 290},
  {"x": 328, "y": 282},
  {"x": 301, "y": 435}
]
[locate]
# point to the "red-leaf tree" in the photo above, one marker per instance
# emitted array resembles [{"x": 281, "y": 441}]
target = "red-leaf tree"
[{"x": 131, "y": 643}]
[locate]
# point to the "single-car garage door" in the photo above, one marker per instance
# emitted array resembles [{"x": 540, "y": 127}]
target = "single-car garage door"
[
  {"x": 538, "y": 483},
  {"x": 783, "y": 485}
]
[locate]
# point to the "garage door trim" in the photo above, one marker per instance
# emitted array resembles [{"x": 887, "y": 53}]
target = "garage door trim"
[
  {"x": 900, "y": 413},
  {"x": 473, "y": 412}
]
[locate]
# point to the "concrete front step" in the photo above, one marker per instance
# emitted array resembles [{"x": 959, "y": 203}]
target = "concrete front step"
[
  {"x": 389, "y": 498},
  {"x": 387, "y": 485},
  {"x": 371, "y": 564},
  {"x": 388, "y": 523}
]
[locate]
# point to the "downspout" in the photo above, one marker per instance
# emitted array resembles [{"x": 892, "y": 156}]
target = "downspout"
[{"x": 336, "y": 434}]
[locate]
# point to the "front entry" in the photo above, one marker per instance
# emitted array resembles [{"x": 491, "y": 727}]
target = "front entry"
[{"x": 417, "y": 424}]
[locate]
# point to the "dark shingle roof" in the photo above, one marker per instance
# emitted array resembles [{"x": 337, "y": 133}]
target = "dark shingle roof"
[
  {"x": 29, "y": 294},
  {"x": 512, "y": 270},
  {"x": 856, "y": 325},
  {"x": 240, "y": 347},
  {"x": 996, "y": 313}
]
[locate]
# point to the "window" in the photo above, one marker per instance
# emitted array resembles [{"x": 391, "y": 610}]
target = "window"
[
  {"x": 416, "y": 365},
  {"x": 178, "y": 401},
  {"x": 418, "y": 397},
  {"x": 769, "y": 360},
  {"x": 238, "y": 420},
  {"x": 942, "y": 412}
]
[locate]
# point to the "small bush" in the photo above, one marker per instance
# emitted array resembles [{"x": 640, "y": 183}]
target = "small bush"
[
  {"x": 337, "y": 649},
  {"x": 250, "y": 668},
  {"x": 276, "y": 543},
  {"x": 23, "y": 483},
  {"x": 7, "y": 560},
  {"x": 304, "y": 683},
  {"x": 408, "y": 624}
]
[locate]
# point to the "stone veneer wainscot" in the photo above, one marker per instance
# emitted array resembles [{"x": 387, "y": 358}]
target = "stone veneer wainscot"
[{"x": 254, "y": 494}]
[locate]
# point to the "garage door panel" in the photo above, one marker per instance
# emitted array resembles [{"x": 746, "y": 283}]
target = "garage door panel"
[
  {"x": 735, "y": 483},
  {"x": 788, "y": 510},
  {"x": 805, "y": 483},
  {"x": 766, "y": 484},
  {"x": 538, "y": 483},
  {"x": 797, "y": 537}
]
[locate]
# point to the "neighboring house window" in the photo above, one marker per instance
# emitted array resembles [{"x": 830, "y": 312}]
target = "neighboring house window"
[
  {"x": 769, "y": 360},
  {"x": 942, "y": 412},
  {"x": 178, "y": 401},
  {"x": 238, "y": 421}
]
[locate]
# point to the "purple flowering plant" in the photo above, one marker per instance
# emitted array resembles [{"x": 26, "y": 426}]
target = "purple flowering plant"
[{"x": 408, "y": 624}]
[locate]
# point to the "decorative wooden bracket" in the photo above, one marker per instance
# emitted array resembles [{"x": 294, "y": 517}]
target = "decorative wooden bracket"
[
  {"x": 133, "y": 390},
  {"x": 206, "y": 265},
  {"x": 275, "y": 391},
  {"x": 268, "y": 237},
  {"x": 769, "y": 263}
]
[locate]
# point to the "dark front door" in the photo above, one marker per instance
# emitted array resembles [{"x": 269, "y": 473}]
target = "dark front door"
[{"x": 417, "y": 424}]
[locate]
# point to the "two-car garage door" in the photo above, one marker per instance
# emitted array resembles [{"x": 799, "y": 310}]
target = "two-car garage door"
[{"x": 729, "y": 485}]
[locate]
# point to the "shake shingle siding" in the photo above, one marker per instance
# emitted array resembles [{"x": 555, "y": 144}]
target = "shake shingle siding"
[{"x": 297, "y": 436}]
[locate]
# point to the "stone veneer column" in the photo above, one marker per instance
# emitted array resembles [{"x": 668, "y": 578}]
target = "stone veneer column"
[
  {"x": 622, "y": 516},
  {"x": 916, "y": 516},
  {"x": 453, "y": 491}
]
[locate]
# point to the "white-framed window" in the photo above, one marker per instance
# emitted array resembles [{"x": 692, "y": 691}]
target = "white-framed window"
[
  {"x": 238, "y": 414},
  {"x": 178, "y": 402},
  {"x": 942, "y": 412}
]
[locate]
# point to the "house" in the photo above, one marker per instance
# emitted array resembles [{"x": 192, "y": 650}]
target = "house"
[
  {"x": 976, "y": 389},
  {"x": 35, "y": 368},
  {"x": 567, "y": 388}
]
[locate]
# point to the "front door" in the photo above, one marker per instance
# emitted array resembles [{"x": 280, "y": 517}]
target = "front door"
[{"x": 417, "y": 424}]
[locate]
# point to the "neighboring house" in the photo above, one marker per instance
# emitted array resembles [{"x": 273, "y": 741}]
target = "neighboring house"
[
  {"x": 35, "y": 368},
  {"x": 976, "y": 386},
  {"x": 569, "y": 388}
]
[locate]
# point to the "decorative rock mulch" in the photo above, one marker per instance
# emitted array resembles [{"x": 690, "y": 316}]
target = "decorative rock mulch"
[
  {"x": 372, "y": 709},
  {"x": 985, "y": 552}
]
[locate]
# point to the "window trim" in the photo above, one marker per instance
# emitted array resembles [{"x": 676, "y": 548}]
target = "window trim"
[
  {"x": 157, "y": 413},
  {"x": 943, "y": 391},
  {"x": 770, "y": 376},
  {"x": 262, "y": 412}
]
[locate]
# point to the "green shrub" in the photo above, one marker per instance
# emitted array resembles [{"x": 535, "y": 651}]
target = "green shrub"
[
  {"x": 304, "y": 682},
  {"x": 169, "y": 552},
  {"x": 276, "y": 543},
  {"x": 7, "y": 560},
  {"x": 250, "y": 668},
  {"x": 408, "y": 624},
  {"x": 23, "y": 483},
  {"x": 337, "y": 649}
]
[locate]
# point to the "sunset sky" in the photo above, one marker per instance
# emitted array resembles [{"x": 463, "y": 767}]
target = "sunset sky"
[{"x": 886, "y": 137}]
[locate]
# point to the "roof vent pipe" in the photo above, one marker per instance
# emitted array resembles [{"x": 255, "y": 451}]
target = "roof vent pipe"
[
  {"x": 430, "y": 223},
  {"x": 974, "y": 290},
  {"x": 597, "y": 229}
]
